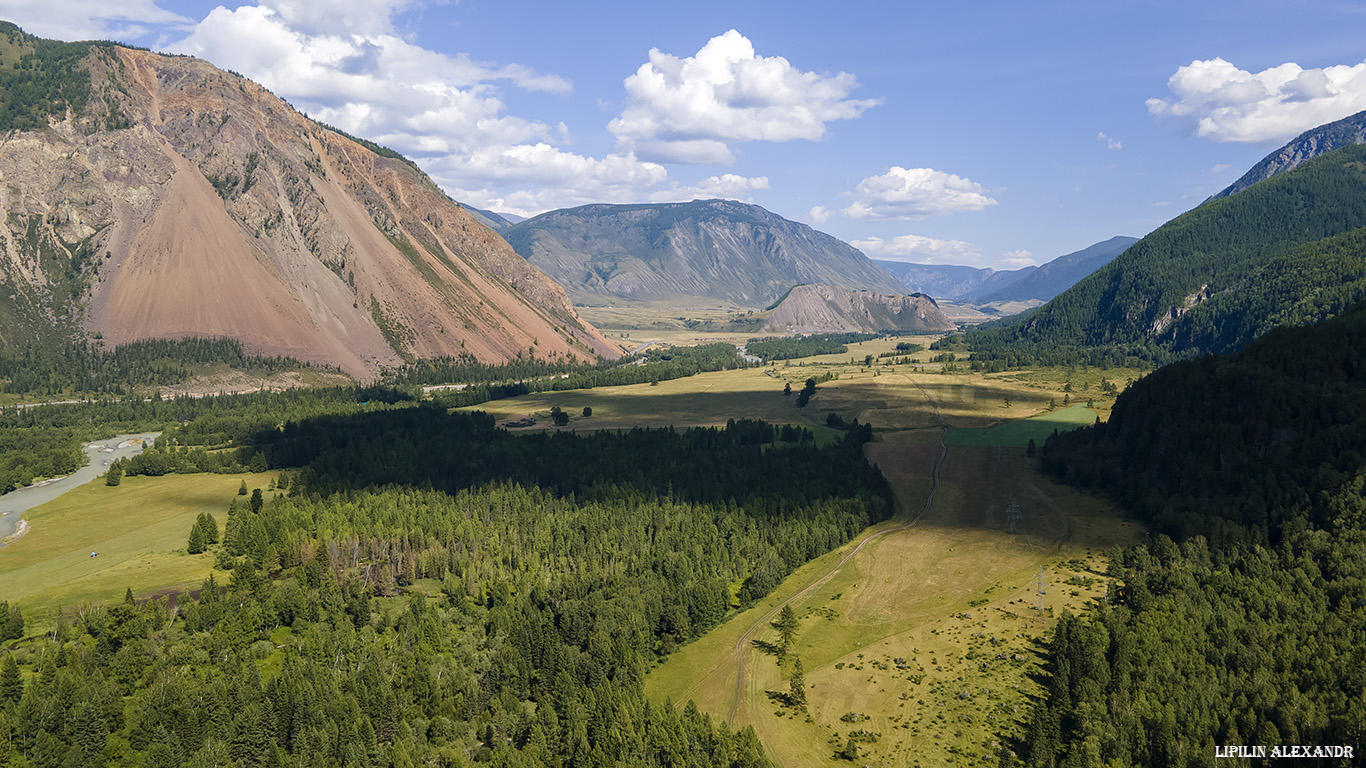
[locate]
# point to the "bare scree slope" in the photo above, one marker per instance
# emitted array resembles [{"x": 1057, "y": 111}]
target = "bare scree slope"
[{"x": 180, "y": 200}]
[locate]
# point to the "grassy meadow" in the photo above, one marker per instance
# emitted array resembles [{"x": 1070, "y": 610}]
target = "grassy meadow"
[
  {"x": 947, "y": 596},
  {"x": 921, "y": 638},
  {"x": 139, "y": 528}
]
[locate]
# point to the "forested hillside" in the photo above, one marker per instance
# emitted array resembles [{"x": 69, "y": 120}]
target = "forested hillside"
[
  {"x": 1287, "y": 250},
  {"x": 433, "y": 591},
  {"x": 1248, "y": 626}
]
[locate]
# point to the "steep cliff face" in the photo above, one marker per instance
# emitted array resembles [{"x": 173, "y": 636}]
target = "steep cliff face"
[
  {"x": 183, "y": 200},
  {"x": 827, "y": 309},
  {"x": 713, "y": 249}
]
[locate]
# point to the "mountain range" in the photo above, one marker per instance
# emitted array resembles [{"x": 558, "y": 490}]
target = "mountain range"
[
  {"x": 984, "y": 287},
  {"x": 716, "y": 250},
  {"x": 950, "y": 281},
  {"x": 154, "y": 196},
  {"x": 1287, "y": 250}
]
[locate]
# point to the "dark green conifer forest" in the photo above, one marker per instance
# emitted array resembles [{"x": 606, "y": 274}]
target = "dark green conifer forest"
[
  {"x": 431, "y": 590},
  {"x": 1288, "y": 251},
  {"x": 1243, "y": 620}
]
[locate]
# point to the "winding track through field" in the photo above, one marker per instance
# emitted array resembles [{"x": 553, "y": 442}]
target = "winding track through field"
[{"x": 738, "y": 652}]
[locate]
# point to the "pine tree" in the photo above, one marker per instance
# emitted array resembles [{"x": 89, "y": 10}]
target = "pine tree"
[
  {"x": 113, "y": 475},
  {"x": 787, "y": 626},
  {"x": 196, "y": 544},
  {"x": 11, "y": 683},
  {"x": 850, "y": 751},
  {"x": 88, "y": 734},
  {"x": 798, "y": 684},
  {"x": 210, "y": 527},
  {"x": 14, "y": 624},
  {"x": 242, "y": 489},
  {"x": 48, "y": 750}
]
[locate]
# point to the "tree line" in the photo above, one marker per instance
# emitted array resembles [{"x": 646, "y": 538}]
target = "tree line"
[
  {"x": 1240, "y": 621},
  {"x": 76, "y": 367},
  {"x": 497, "y": 602}
]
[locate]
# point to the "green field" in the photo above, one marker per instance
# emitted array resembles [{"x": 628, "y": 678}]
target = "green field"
[
  {"x": 946, "y": 595},
  {"x": 1017, "y": 434},
  {"x": 139, "y": 529},
  {"x": 932, "y": 590}
]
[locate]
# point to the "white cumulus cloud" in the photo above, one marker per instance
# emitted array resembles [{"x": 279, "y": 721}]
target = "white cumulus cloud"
[
  {"x": 729, "y": 186},
  {"x": 344, "y": 64},
  {"x": 1109, "y": 142},
  {"x": 818, "y": 214},
  {"x": 693, "y": 109},
  {"x": 907, "y": 194},
  {"x": 1018, "y": 258},
  {"x": 919, "y": 250},
  {"x": 1216, "y": 100},
  {"x": 90, "y": 19}
]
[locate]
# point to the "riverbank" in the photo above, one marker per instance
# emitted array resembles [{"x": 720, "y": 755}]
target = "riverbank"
[{"x": 98, "y": 456}]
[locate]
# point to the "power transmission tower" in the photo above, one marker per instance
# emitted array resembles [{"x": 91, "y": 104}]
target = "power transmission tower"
[
  {"x": 1039, "y": 593},
  {"x": 1013, "y": 515}
]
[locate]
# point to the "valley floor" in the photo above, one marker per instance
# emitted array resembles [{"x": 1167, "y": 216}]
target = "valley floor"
[{"x": 921, "y": 638}]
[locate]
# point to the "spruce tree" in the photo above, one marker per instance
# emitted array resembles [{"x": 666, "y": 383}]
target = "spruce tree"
[
  {"x": 787, "y": 626},
  {"x": 798, "y": 684},
  {"x": 196, "y": 544},
  {"x": 11, "y": 683},
  {"x": 210, "y": 527},
  {"x": 14, "y": 624},
  {"x": 113, "y": 475}
]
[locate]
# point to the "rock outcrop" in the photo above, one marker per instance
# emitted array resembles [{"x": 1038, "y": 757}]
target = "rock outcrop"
[{"x": 820, "y": 308}]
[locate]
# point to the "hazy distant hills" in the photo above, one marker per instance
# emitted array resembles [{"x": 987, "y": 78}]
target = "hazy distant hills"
[
  {"x": 719, "y": 250},
  {"x": 1312, "y": 143},
  {"x": 1288, "y": 250},
  {"x": 820, "y": 308},
  {"x": 955, "y": 283},
  {"x": 982, "y": 287},
  {"x": 1058, "y": 275},
  {"x": 153, "y": 196}
]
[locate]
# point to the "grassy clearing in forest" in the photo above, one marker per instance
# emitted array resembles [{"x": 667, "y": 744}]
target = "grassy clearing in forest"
[
  {"x": 1017, "y": 434},
  {"x": 948, "y": 597},
  {"x": 139, "y": 528}
]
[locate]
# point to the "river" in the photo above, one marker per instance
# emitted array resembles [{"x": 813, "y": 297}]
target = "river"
[{"x": 98, "y": 455}]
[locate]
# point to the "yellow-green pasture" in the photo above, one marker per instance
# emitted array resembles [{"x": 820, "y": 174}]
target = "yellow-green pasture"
[
  {"x": 139, "y": 528},
  {"x": 891, "y": 396},
  {"x": 928, "y": 635}
]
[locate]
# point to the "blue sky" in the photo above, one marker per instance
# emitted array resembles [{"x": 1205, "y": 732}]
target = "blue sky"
[{"x": 985, "y": 133}]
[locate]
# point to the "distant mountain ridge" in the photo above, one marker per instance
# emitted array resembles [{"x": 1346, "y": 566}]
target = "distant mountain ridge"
[
  {"x": 152, "y": 196},
  {"x": 985, "y": 286},
  {"x": 951, "y": 282},
  {"x": 817, "y": 308},
  {"x": 719, "y": 250},
  {"x": 1289, "y": 250},
  {"x": 1051, "y": 279},
  {"x": 1310, "y": 144}
]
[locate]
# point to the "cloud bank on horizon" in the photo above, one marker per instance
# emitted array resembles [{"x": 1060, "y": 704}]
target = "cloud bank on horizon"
[{"x": 709, "y": 123}]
